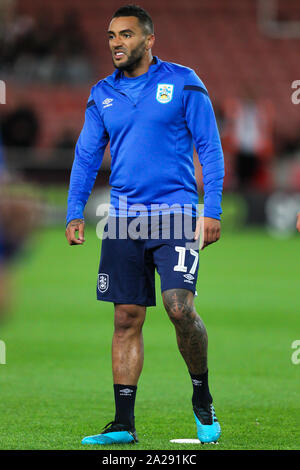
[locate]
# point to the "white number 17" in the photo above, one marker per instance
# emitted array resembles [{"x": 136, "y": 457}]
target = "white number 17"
[{"x": 181, "y": 259}]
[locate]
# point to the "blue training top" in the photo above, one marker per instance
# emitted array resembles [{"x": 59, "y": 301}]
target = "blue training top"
[
  {"x": 151, "y": 143},
  {"x": 132, "y": 87}
]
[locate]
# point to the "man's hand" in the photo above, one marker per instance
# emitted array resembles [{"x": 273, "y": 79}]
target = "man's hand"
[
  {"x": 298, "y": 222},
  {"x": 210, "y": 229},
  {"x": 76, "y": 225}
]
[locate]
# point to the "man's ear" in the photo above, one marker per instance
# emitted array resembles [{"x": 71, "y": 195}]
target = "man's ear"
[{"x": 150, "y": 42}]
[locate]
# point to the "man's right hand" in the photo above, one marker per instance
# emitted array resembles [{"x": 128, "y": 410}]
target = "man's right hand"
[{"x": 76, "y": 225}]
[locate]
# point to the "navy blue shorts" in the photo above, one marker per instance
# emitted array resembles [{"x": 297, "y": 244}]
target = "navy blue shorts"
[{"x": 127, "y": 265}]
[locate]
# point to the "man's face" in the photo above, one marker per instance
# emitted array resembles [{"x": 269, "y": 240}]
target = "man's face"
[{"x": 127, "y": 42}]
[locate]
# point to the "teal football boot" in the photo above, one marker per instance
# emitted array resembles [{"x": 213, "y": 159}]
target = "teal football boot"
[
  {"x": 113, "y": 433},
  {"x": 208, "y": 427}
]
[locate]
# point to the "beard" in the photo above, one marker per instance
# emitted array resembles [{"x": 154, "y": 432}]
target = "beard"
[{"x": 133, "y": 60}]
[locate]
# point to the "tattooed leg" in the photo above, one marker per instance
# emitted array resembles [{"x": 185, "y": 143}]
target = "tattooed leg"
[{"x": 190, "y": 330}]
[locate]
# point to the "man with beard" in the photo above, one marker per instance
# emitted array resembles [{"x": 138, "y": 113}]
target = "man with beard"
[{"x": 151, "y": 111}]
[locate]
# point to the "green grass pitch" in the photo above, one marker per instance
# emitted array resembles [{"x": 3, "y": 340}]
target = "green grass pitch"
[{"x": 57, "y": 386}]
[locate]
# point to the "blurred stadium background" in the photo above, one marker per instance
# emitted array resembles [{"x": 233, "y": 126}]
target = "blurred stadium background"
[{"x": 247, "y": 54}]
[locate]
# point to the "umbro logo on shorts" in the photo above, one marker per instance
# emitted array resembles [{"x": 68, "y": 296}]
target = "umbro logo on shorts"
[{"x": 189, "y": 278}]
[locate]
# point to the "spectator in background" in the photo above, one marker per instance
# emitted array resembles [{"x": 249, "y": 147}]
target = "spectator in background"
[
  {"x": 252, "y": 138},
  {"x": 64, "y": 148},
  {"x": 17, "y": 40},
  {"x": 36, "y": 49},
  {"x": 19, "y": 214},
  {"x": 20, "y": 127},
  {"x": 45, "y": 36},
  {"x": 2, "y": 168},
  {"x": 247, "y": 133},
  {"x": 71, "y": 51},
  {"x": 71, "y": 35},
  {"x": 220, "y": 118},
  {"x": 289, "y": 145}
]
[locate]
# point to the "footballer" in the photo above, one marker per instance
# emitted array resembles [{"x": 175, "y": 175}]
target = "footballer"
[{"x": 151, "y": 112}]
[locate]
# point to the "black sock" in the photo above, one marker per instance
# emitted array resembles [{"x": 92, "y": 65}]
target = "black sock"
[
  {"x": 201, "y": 395},
  {"x": 124, "y": 400}
]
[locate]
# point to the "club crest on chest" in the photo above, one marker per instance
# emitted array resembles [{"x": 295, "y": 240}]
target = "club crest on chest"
[{"x": 164, "y": 93}]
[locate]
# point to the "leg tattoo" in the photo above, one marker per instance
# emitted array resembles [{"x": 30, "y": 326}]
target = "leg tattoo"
[{"x": 190, "y": 330}]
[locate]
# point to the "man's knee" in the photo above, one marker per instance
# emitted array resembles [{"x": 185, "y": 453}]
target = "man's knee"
[
  {"x": 179, "y": 304},
  {"x": 129, "y": 317}
]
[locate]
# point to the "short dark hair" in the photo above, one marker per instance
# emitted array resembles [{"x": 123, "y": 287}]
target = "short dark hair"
[{"x": 142, "y": 15}]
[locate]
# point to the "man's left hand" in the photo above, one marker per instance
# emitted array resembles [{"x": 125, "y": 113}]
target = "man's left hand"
[{"x": 210, "y": 229}]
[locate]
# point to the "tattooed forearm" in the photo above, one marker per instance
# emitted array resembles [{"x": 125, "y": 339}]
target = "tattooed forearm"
[
  {"x": 75, "y": 222},
  {"x": 190, "y": 330}
]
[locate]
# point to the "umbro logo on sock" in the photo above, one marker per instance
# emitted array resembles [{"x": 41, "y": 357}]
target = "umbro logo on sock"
[
  {"x": 198, "y": 383},
  {"x": 126, "y": 391}
]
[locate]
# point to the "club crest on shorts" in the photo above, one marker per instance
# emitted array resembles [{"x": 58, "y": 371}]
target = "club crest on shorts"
[
  {"x": 103, "y": 282},
  {"x": 164, "y": 93}
]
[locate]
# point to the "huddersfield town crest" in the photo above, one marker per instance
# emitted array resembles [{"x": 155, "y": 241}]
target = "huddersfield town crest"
[
  {"x": 103, "y": 282},
  {"x": 164, "y": 93}
]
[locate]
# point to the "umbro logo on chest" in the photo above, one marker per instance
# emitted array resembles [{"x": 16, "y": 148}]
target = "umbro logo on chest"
[{"x": 107, "y": 102}]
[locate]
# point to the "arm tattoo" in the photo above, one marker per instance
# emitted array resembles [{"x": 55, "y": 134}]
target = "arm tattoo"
[{"x": 75, "y": 222}]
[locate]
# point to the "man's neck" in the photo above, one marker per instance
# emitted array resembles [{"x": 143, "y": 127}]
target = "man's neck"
[{"x": 142, "y": 68}]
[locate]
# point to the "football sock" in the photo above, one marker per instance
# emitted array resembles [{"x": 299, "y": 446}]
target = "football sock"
[
  {"x": 124, "y": 401},
  {"x": 201, "y": 395}
]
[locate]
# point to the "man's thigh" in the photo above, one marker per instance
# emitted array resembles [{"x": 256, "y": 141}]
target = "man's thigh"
[
  {"x": 126, "y": 273},
  {"x": 176, "y": 255},
  {"x": 177, "y": 266}
]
